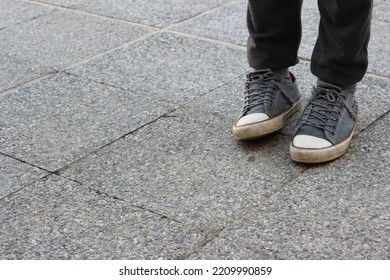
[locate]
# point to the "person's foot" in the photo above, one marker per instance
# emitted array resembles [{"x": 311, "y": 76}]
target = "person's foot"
[
  {"x": 269, "y": 99},
  {"x": 326, "y": 126}
]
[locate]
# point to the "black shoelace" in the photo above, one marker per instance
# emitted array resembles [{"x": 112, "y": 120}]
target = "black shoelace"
[
  {"x": 326, "y": 105},
  {"x": 260, "y": 86}
]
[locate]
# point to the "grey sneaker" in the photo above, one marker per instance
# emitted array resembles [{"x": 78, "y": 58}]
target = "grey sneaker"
[
  {"x": 269, "y": 100},
  {"x": 326, "y": 126}
]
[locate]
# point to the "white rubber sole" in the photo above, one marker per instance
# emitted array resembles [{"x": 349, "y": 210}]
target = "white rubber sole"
[
  {"x": 305, "y": 155},
  {"x": 260, "y": 129}
]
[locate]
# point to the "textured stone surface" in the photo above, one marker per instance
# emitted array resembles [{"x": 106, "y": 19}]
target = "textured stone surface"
[
  {"x": 160, "y": 13},
  {"x": 225, "y": 101},
  {"x": 62, "y": 118},
  {"x": 14, "y": 72},
  {"x": 226, "y": 24},
  {"x": 378, "y": 61},
  {"x": 15, "y": 175},
  {"x": 334, "y": 211},
  {"x": 169, "y": 66},
  {"x": 59, "y": 219},
  {"x": 15, "y": 11},
  {"x": 381, "y": 10},
  {"x": 309, "y": 5},
  {"x": 61, "y": 37},
  {"x": 189, "y": 167},
  {"x": 310, "y": 21}
]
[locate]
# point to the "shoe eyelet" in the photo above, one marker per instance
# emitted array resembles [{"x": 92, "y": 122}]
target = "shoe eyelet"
[{"x": 331, "y": 97}]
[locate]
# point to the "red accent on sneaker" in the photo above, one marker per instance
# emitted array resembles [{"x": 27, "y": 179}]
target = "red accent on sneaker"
[{"x": 288, "y": 78}]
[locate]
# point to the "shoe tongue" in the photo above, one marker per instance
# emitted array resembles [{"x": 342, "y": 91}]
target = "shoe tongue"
[
  {"x": 322, "y": 84},
  {"x": 259, "y": 74},
  {"x": 351, "y": 88}
]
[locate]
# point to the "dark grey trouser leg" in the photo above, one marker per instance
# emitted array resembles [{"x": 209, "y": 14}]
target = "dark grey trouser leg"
[
  {"x": 274, "y": 33},
  {"x": 340, "y": 54}
]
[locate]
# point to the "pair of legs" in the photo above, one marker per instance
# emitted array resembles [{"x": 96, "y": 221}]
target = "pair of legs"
[
  {"x": 339, "y": 60},
  {"x": 340, "y": 54}
]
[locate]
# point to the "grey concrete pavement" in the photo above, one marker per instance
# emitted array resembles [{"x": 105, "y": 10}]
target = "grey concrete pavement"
[{"x": 116, "y": 143}]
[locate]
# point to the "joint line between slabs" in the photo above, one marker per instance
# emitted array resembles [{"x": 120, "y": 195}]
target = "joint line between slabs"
[
  {"x": 67, "y": 166},
  {"x": 30, "y": 164},
  {"x": 70, "y": 9}
]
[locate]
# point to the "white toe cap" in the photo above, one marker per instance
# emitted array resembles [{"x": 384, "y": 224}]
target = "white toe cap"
[
  {"x": 310, "y": 142},
  {"x": 252, "y": 118}
]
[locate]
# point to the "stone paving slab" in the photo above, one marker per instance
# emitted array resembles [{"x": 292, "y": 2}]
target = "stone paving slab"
[
  {"x": 169, "y": 66},
  {"x": 60, "y": 219},
  {"x": 15, "y": 175},
  {"x": 310, "y": 23},
  {"x": 333, "y": 211},
  {"x": 62, "y": 37},
  {"x": 381, "y": 10},
  {"x": 15, "y": 11},
  {"x": 226, "y": 24},
  {"x": 378, "y": 47},
  {"x": 14, "y": 72},
  {"x": 62, "y": 118},
  {"x": 189, "y": 168},
  {"x": 160, "y": 13}
]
